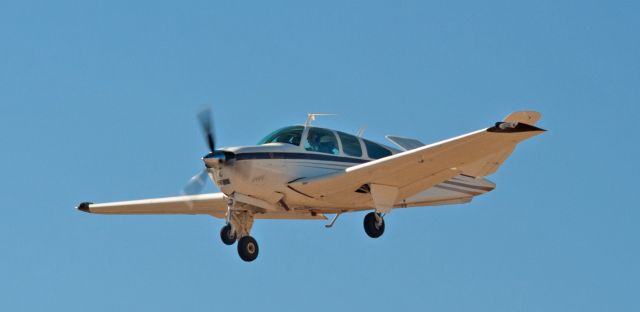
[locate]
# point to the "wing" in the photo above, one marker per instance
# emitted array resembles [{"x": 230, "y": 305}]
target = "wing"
[
  {"x": 214, "y": 204},
  {"x": 405, "y": 174}
]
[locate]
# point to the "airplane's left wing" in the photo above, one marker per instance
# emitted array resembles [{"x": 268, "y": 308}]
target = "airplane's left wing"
[{"x": 214, "y": 204}]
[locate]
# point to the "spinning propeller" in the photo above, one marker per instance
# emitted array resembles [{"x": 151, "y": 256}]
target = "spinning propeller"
[
  {"x": 206, "y": 122},
  {"x": 215, "y": 157}
]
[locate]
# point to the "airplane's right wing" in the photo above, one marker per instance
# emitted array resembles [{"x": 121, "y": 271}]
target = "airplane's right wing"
[{"x": 399, "y": 176}]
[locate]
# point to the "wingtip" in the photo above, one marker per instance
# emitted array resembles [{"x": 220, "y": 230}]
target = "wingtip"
[
  {"x": 512, "y": 127},
  {"x": 84, "y": 207}
]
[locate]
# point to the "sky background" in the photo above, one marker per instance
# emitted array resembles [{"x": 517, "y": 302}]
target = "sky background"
[{"x": 98, "y": 102}]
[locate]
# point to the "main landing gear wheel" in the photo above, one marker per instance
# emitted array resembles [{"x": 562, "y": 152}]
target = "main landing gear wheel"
[
  {"x": 227, "y": 235},
  {"x": 373, "y": 225},
  {"x": 248, "y": 248}
]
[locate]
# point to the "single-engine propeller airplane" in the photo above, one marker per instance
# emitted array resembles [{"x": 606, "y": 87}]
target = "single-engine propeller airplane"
[{"x": 307, "y": 172}]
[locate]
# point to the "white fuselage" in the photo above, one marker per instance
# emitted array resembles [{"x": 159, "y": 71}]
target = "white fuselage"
[{"x": 264, "y": 172}]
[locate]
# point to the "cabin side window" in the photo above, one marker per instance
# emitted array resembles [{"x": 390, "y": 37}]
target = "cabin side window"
[
  {"x": 290, "y": 135},
  {"x": 322, "y": 140},
  {"x": 350, "y": 144},
  {"x": 375, "y": 150}
]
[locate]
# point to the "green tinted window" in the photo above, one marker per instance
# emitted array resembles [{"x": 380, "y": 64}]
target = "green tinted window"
[
  {"x": 290, "y": 135},
  {"x": 350, "y": 144},
  {"x": 322, "y": 140},
  {"x": 376, "y": 151}
]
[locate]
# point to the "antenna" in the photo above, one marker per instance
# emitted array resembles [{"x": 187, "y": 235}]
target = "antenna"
[{"x": 312, "y": 117}]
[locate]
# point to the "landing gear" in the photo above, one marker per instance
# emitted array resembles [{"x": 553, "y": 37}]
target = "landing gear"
[
  {"x": 248, "y": 248},
  {"x": 238, "y": 227},
  {"x": 374, "y": 224},
  {"x": 228, "y": 235}
]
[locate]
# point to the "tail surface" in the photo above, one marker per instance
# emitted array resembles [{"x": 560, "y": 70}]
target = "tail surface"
[{"x": 530, "y": 118}]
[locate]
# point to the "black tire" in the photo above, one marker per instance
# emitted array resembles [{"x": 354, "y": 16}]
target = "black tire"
[
  {"x": 248, "y": 248},
  {"x": 227, "y": 235},
  {"x": 371, "y": 227}
]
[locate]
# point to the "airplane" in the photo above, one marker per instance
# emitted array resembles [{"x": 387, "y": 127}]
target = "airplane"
[{"x": 304, "y": 172}]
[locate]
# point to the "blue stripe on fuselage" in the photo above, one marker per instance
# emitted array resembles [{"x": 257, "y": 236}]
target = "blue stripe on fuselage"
[{"x": 307, "y": 156}]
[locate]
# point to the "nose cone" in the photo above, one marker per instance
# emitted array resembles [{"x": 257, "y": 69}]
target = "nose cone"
[{"x": 217, "y": 158}]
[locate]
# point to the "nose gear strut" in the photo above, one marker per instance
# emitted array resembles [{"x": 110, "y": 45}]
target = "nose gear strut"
[{"x": 237, "y": 228}]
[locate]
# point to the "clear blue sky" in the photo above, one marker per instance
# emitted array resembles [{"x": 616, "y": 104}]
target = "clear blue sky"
[{"x": 98, "y": 103}]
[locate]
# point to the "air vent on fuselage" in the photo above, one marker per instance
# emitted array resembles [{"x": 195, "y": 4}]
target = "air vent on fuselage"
[{"x": 364, "y": 189}]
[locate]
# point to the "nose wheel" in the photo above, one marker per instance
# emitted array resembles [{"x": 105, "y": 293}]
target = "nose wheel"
[
  {"x": 227, "y": 235},
  {"x": 238, "y": 228},
  {"x": 247, "y": 245},
  {"x": 374, "y": 224},
  {"x": 248, "y": 248}
]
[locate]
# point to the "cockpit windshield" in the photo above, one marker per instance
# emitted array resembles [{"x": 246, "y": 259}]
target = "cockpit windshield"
[{"x": 290, "y": 135}]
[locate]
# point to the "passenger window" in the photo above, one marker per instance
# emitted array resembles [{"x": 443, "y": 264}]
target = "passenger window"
[
  {"x": 376, "y": 151},
  {"x": 322, "y": 140},
  {"x": 350, "y": 144}
]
